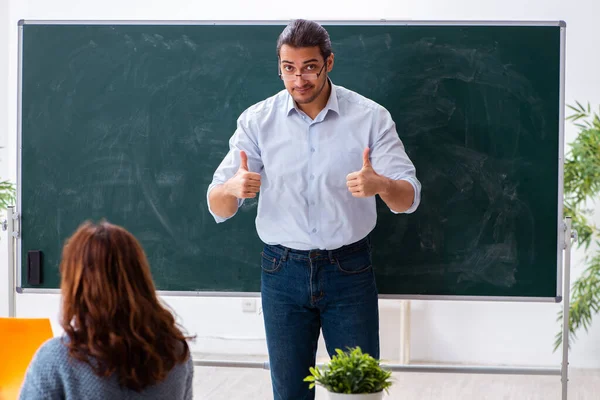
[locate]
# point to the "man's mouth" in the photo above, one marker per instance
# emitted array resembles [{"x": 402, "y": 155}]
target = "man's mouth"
[{"x": 303, "y": 90}]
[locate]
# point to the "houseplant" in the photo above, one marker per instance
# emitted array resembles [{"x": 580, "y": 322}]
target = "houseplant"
[
  {"x": 7, "y": 195},
  {"x": 581, "y": 188},
  {"x": 351, "y": 375}
]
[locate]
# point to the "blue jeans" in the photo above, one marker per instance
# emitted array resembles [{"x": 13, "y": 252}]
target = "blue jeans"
[{"x": 306, "y": 291}]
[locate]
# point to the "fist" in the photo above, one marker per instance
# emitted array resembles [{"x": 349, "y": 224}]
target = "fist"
[{"x": 244, "y": 184}]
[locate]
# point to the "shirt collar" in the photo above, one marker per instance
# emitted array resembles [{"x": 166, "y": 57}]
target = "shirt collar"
[{"x": 332, "y": 102}]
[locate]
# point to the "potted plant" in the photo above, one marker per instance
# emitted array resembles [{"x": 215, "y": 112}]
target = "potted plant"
[
  {"x": 351, "y": 375},
  {"x": 581, "y": 189},
  {"x": 7, "y": 194}
]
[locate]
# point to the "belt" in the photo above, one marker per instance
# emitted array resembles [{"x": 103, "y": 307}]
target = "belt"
[{"x": 284, "y": 252}]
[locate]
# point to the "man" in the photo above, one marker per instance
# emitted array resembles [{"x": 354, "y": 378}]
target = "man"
[{"x": 318, "y": 154}]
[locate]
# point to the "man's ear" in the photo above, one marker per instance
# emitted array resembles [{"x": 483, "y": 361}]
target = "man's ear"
[{"x": 330, "y": 62}]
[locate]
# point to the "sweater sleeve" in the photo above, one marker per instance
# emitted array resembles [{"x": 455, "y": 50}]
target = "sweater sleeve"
[
  {"x": 42, "y": 379},
  {"x": 189, "y": 383}
]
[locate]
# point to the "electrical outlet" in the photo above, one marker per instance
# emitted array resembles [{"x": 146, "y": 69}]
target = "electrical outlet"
[{"x": 248, "y": 305}]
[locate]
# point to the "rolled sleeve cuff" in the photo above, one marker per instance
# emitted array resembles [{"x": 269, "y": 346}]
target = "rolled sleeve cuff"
[
  {"x": 217, "y": 218},
  {"x": 417, "y": 199}
]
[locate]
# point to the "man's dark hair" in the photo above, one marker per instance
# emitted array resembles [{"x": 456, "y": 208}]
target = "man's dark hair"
[{"x": 303, "y": 33}]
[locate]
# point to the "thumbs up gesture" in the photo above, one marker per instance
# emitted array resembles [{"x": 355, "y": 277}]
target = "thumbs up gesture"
[
  {"x": 244, "y": 184},
  {"x": 366, "y": 182}
]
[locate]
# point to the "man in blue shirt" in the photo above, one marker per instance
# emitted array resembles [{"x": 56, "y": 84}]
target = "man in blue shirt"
[{"x": 318, "y": 153}]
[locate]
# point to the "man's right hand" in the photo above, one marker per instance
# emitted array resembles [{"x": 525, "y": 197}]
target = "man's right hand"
[{"x": 244, "y": 184}]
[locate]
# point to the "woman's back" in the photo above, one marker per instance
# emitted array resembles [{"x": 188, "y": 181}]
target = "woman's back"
[
  {"x": 53, "y": 374},
  {"x": 120, "y": 341}
]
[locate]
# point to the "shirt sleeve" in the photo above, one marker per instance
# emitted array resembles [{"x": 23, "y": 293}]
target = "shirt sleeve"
[
  {"x": 189, "y": 383},
  {"x": 242, "y": 139},
  {"x": 389, "y": 158},
  {"x": 42, "y": 380}
]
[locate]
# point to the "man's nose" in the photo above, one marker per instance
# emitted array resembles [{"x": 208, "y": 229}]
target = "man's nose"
[{"x": 298, "y": 79}]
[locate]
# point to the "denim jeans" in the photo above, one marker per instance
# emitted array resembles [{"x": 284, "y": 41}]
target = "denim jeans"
[{"x": 306, "y": 291}]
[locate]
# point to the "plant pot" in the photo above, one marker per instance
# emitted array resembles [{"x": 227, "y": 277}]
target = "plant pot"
[{"x": 361, "y": 396}]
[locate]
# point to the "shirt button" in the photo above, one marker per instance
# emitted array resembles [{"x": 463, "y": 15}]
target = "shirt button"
[
  {"x": 312, "y": 149},
  {"x": 314, "y": 230}
]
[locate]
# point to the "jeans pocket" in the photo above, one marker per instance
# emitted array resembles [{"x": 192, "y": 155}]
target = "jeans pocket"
[
  {"x": 269, "y": 263},
  {"x": 355, "y": 263}
]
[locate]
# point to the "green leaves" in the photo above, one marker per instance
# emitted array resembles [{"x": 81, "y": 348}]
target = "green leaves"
[
  {"x": 351, "y": 372},
  {"x": 582, "y": 163},
  {"x": 585, "y": 301},
  {"x": 7, "y": 194},
  {"x": 582, "y": 185}
]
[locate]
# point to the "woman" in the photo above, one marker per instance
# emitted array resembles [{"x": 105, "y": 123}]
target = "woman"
[{"x": 119, "y": 342}]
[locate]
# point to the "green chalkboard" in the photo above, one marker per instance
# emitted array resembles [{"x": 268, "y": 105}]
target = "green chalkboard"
[{"x": 128, "y": 122}]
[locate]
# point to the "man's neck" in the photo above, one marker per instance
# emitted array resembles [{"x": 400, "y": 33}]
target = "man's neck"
[{"x": 313, "y": 108}]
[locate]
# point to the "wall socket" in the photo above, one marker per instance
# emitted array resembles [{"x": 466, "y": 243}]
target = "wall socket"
[{"x": 249, "y": 305}]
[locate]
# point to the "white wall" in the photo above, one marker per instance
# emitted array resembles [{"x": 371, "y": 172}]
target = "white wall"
[
  {"x": 4, "y": 151},
  {"x": 488, "y": 333}
]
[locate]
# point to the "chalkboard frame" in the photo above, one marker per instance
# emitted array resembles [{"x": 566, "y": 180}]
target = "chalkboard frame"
[{"x": 560, "y": 223}]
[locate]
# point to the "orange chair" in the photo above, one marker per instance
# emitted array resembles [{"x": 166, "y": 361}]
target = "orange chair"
[{"x": 19, "y": 340}]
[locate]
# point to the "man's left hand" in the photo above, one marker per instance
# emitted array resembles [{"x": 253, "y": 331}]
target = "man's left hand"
[{"x": 366, "y": 182}]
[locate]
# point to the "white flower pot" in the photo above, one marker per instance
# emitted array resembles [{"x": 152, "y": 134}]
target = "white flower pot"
[{"x": 361, "y": 396}]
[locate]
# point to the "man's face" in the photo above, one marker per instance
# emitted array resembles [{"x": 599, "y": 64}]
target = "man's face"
[{"x": 304, "y": 72}]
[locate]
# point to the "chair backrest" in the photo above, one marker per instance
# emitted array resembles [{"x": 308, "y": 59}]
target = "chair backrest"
[{"x": 19, "y": 340}]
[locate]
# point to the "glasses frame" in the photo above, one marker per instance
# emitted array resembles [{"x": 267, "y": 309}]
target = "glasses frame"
[{"x": 302, "y": 76}]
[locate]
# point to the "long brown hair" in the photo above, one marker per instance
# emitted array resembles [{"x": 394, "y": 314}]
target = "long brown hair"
[{"x": 110, "y": 311}]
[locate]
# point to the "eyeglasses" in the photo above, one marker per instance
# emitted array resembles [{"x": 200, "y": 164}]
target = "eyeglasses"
[{"x": 290, "y": 76}]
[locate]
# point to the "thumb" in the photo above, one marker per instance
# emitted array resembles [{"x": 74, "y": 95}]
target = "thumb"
[
  {"x": 244, "y": 160},
  {"x": 366, "y": 161}
]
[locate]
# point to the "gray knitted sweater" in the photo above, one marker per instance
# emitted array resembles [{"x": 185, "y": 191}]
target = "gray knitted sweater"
[{"x": 53, "y": 374}]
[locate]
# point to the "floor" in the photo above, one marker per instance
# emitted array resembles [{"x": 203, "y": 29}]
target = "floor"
[{"x": 219, "y": 383}]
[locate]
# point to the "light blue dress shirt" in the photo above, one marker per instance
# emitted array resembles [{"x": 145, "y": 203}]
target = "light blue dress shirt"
[{"x": 304, "y": 202}]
